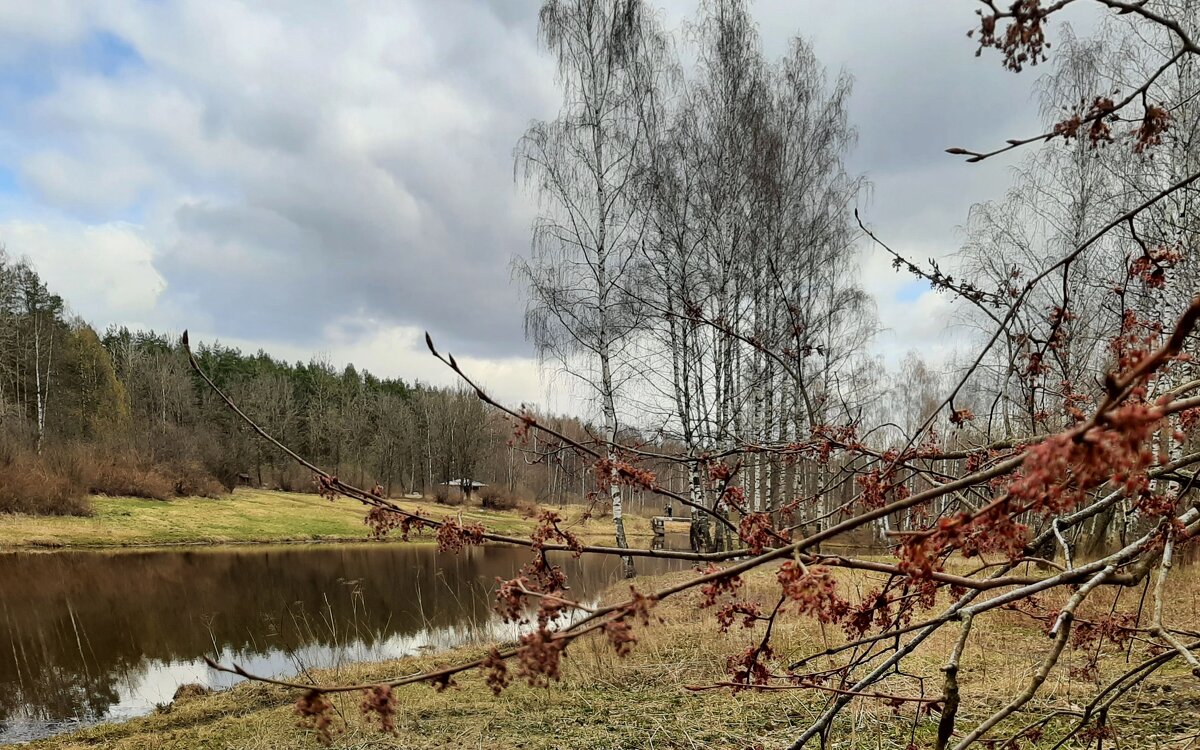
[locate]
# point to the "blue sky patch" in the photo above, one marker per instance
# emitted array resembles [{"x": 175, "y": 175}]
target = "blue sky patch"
[
  {"x": 109, "y": 54},
  {"x": 910, "y": 290},
  {"x": 8, "y": 181},
  {"x": 27, "y": 78}
]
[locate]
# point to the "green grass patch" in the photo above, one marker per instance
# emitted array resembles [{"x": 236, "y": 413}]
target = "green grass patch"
[{"x": 246, "y": 516}]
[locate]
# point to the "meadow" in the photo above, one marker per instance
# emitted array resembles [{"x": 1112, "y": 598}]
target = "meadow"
[{"x": 250, "y": 516}]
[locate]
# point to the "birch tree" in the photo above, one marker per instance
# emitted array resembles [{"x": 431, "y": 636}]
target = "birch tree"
[
  {"x": 43, "y": 315},
  {"x": 584, "y": 167},
  {"x": 753, "y": 257}
]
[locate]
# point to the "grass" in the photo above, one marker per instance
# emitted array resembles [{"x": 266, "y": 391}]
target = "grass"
[
  {"x": 247, "y": 516},
  {"x": 640, "y": 701}
]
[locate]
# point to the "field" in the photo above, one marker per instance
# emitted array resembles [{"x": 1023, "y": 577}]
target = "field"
[
  {"x": 640, "y": 701},
  {"x": 246, "y": 517}
]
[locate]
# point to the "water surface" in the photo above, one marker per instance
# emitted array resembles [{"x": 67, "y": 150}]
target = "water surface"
[{"x": 96, "y": 636}]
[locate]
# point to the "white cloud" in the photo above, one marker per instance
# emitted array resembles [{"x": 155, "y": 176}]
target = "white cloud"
[
  {"x": 298, "y": 160},
  {"x": 106, "y": 182},
  {"x": 105, "y": 272},
  {"x": 914, "y": 317},
  {"x": 400, "y": 351},
  {"x": 26, "y": 24}
]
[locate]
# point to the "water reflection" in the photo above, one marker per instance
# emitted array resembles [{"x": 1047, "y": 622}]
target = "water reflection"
[{"x": 95, "y": 636}]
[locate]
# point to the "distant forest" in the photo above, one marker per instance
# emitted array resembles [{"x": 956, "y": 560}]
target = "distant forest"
[{"x": 122, "y": 413}]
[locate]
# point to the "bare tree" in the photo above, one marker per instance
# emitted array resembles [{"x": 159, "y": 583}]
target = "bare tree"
[{"x": 584, "y": 167}]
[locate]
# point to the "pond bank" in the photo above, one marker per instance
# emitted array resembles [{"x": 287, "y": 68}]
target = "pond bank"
[
  {"x": 603, "y": 701},
  {"x": 107, "y": 635},
  {"x": 245, "y": 517},
  {"x": 641, "y": 701}
]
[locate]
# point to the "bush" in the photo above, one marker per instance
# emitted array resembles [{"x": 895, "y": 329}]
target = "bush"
[
  {"x": 292, "y": 478},
  {"x": 494, "y": 498},
  {"x": 189, "y": 690},
  {"x": 125, "y": 474},
  {"x": 32, "y": 484},
  {"x": 121, "y": 479},
  {"x": 58, "y": 481},
  {"x": 443, "y": 495},
  {"x": 217, "y": 469},
  {"x": 192, "y": 480}
]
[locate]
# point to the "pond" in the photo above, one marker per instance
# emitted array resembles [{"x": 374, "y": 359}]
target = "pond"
[{"x": 89, "y": 636}]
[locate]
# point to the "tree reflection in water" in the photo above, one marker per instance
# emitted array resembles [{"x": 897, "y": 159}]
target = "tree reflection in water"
[{"x": 96, "y": 636}]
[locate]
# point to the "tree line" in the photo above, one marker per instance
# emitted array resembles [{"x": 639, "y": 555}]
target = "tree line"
[{"x": 121, "y": 412}]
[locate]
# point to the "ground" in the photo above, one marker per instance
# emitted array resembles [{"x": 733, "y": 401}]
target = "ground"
[
  {"x": 604, "y": 701},
  {"x": 641, "y": 701},
  {"x": 249, "y": 516}
]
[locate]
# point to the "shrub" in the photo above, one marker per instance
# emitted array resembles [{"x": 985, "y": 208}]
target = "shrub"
[
  {"x": 495, "y": 498},
  {"x": 293, "y": 478},
  {"x": 443, "y": 495},
  {"x": 32, "y": 484},
  {"x": 189, "y": 690},
  {"x": 192, "y": 480},
  {"x": 121, "y": 479},
  {"x": 218, "y": 469},
  {"x": 58, "y": 481},
  {"x": 124, "y": 473}
]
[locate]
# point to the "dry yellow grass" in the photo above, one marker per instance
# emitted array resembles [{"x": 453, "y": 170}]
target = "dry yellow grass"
[{"x": 641, "y": 702}]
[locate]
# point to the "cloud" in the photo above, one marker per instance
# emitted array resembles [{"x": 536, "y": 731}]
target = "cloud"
[
  {"x": 102, "y": 184},
  {"x": 263, "y": 169},
  {"x": 105, "y": 272},
  {"x": 401, "y": 351},
  {"x": 304, "y": 161},
  {"x": 26, "y": 25}
]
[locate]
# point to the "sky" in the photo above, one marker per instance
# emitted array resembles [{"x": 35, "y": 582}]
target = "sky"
[{"x": 319, "y": 178}]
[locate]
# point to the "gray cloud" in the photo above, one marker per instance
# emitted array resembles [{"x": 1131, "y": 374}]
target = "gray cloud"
[{"x": 301, "y": 166}]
